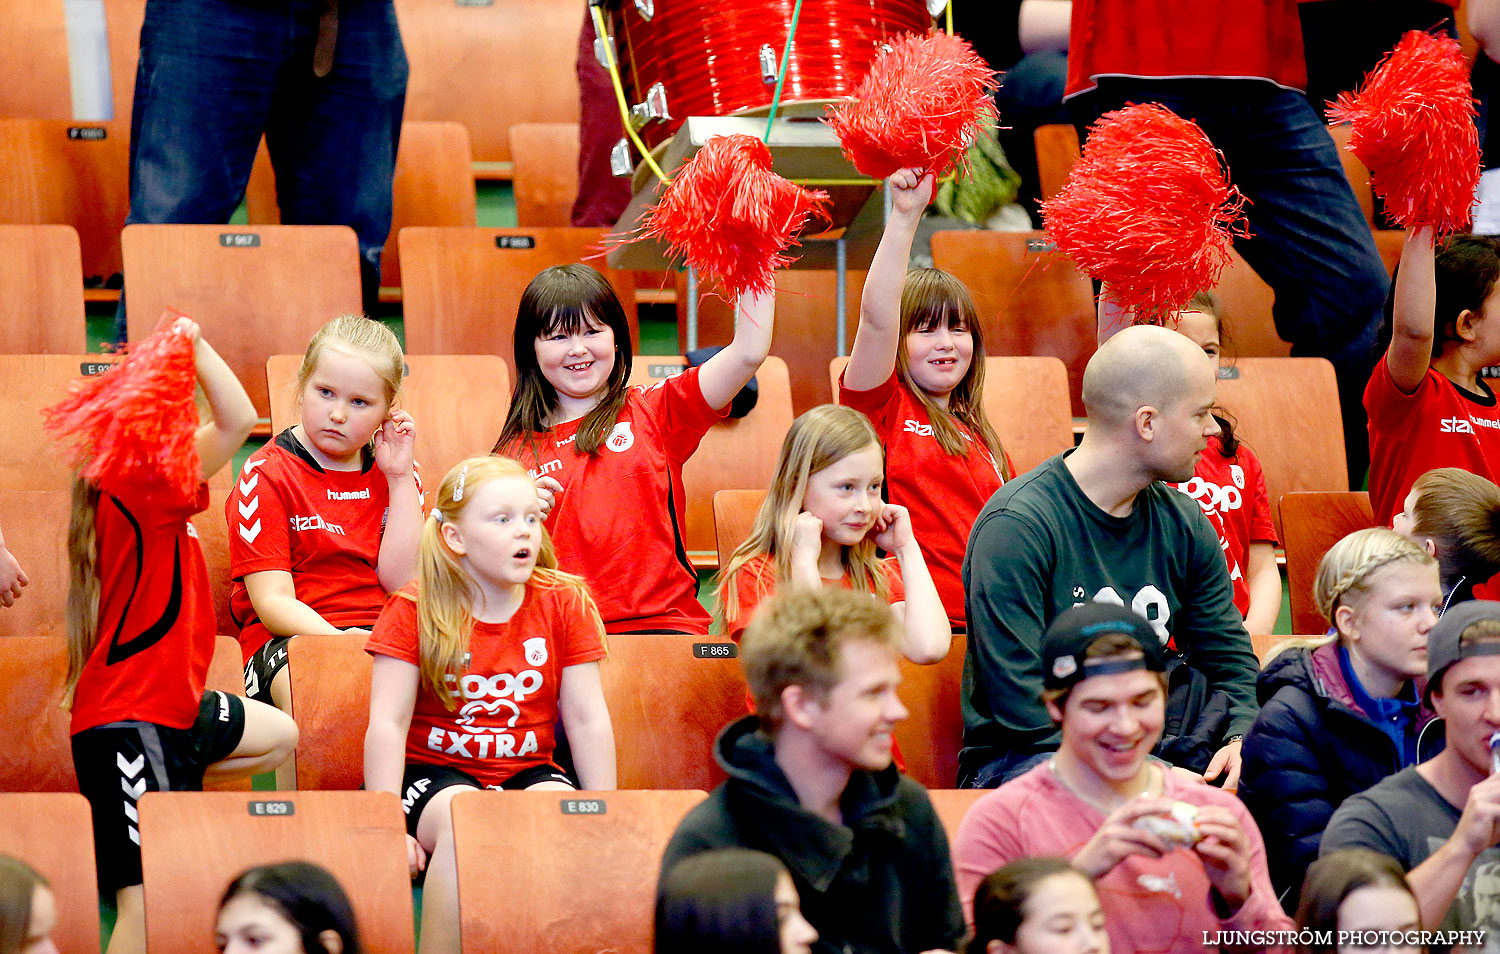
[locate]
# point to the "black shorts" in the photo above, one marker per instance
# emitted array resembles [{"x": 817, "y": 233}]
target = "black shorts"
[
  {"x": 119, "y": 762},
  {"x": 421, "y": 782},
  {"x": 264, "y": 665}
]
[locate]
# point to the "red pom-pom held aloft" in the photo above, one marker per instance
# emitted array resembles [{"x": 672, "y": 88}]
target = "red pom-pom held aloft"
[
  {"x": 1414, "y": 127},
  {"x": 728, "y": 215},
  {"x": 1147, "y": 210},
  {"x": 920, "y": 106},
  {"x": 138, "y": 422}
]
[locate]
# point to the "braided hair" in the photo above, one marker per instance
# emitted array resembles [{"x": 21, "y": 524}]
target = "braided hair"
[{"x": 1348, "y": 565}]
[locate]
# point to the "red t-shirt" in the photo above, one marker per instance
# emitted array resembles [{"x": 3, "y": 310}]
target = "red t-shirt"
[
  {"x": 1234, "y": 490},
  {"x": 755, "y": 581},
  {"x": 1440, "y": 425},
  {"x": 619, "y": 521},
  {"x": 1163, "y": 39},
  {"x": 944, "y": 492},
  {"x": 505, "y": 705},
  {"x": 322, "y": 526},
  {"x": 156, "y": 618}
]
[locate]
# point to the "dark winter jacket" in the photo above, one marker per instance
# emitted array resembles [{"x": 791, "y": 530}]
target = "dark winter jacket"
[
  {"x": 1312, "y": 747},
  {"x": 881, "y": 882}
]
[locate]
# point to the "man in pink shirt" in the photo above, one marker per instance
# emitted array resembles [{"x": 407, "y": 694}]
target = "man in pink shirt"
[{"x": 1175, "y": 861}]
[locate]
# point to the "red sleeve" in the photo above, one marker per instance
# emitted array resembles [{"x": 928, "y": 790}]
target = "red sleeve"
[
  {"x": 895, "y": 587},
  {"x": 879, "y": 403},
  {"x": 169, "y": 502},
  {"x": 753, "y": 582},
  {"x": 395, "y": 631},
  {"x": 258, "y": 535},
  {"x": 1387, "y": 403},
  {"x": 677, "y": 404},
  {"x": 580, "y": 636},
  {"x": 1262, "y": 530}
]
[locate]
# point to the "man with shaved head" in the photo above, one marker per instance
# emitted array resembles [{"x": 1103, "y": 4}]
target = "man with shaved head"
[{"x": 1098, "y": 523}]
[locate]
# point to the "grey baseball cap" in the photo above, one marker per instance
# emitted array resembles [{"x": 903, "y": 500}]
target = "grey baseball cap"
[{"x": 1444, "y": 645}]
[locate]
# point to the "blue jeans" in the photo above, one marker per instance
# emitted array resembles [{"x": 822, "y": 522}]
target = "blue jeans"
[
  {"x": 216, "y": 74},
  {"x": 1309, "y": 240}
]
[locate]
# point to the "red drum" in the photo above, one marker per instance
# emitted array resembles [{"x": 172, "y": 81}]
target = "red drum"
[{"x": 681, "y": 58}]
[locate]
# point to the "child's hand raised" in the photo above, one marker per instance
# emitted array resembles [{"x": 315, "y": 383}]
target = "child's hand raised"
[
  {"x": 187, "y": 327},
  {"x": 893, "y": 528},
  {"x": 395, "y": 445},
  {"x": 911, "y": 190},
  {"x": 547, "y": 489}
]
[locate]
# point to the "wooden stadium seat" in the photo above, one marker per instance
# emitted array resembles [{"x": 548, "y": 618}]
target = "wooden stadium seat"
[
  {"x": 41, "y": 290},
  {"x": 1031, "y": 300},
  {"x": 433, "y": 185},
  {"x": 1248, "y": 324},
  {"x": 1287, "y": 410},
  {"x": 951, "y": 805},
  {"x": 805, "y": 337},
  {"x": 36, "y": 753},
  {"x": 255, "y": 291},
  {"x": 931, "y": 735},
  {"x": 1389, "y": 242},
  {"x": 1265, "y": 643},
  {"x": 735, "y": 452},
  {"x": 734, "y": 516},
  {"x": 664, "y": 740},
  {"x": 35, "y": 523},
  {"x": 1057, "y": 148},
  {"x": 490, "y": 67},
  {"x": 545, "y": 181},
  {"x": 1026, "y": 401},
  {"x": 461, "y": 287},
  {"x": 54, "y": 833},
  {"x": 194, "y": 843},
  {"x": 1311, "y": 523},
  {"x": 592, "y": 889},
  {"x": 213, "y": 538},
  {"x": 34, "y": 49},
  {"x": 32, "y": 460},
  {"x": 458, "y": 401},
  {"x": 60, "y": 172},
  {"x": 330, "y": 682}
]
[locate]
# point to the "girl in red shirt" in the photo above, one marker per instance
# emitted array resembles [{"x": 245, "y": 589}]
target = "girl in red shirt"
[
  {"x": 324, "y": 520},
  {"x": 474, "y": 664},
  {"x": 140, "y": 638},
  {"x": 821, "y": 524},
  {"x": 608, "y": 459},
  {"x": 917, "y": 371}
]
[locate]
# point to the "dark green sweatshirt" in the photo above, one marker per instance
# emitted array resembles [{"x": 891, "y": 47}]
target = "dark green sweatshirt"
[{"x": 1040, "y": 547}]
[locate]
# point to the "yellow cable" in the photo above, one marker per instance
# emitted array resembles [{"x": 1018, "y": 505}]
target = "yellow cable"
[{"x": 614, "y": 76}]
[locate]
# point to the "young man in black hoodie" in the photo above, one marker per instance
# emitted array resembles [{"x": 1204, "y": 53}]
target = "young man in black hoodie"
[{"x": 811, "y": 780}]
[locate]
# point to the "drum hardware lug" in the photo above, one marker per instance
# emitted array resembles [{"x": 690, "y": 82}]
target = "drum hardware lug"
[
  {"x": 647, "y": 9},
  {"x": 654, "y": 107},
  {"x": 619, "y": 159},
  {"x": 604, "y": 48},
  {"x": 768, "y": 69},
  {"x": 936, "y": 7}
]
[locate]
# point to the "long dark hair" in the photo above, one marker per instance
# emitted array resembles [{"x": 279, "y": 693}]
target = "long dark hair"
[
  {"x": 1333, "y": 878},
  {"x": 1000, "y": 897},
  {"x": 307, "y": 896},
  {"x": 18, "y": 884},
  {"x": 722, "y": 901},
  {"x": 566, "y": 299}
]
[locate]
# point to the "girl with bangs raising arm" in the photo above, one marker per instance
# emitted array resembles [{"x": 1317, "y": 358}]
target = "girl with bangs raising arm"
[
  {"x": 608, "y": 458},
  {"x": 917, "y": 371}
]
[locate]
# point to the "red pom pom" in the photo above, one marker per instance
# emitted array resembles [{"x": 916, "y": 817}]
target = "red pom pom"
[
  {"x": 728, "y": 215},
  {"x": 1414, "y": 127},
  {"x": 920, "y": 106},
  {"x": 137, "y": 423},
  {"x": 1147, "y": 210}
]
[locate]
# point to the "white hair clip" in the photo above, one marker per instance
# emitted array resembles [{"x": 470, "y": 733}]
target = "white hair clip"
[
  {"x": 458, "y": 492},
  {"x": 437, "y": 515}
]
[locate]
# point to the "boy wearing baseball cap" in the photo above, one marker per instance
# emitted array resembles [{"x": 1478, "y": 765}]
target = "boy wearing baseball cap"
[
  {"x": 1441, "y": 819},
  {"x": 1172, "y": 858}
]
